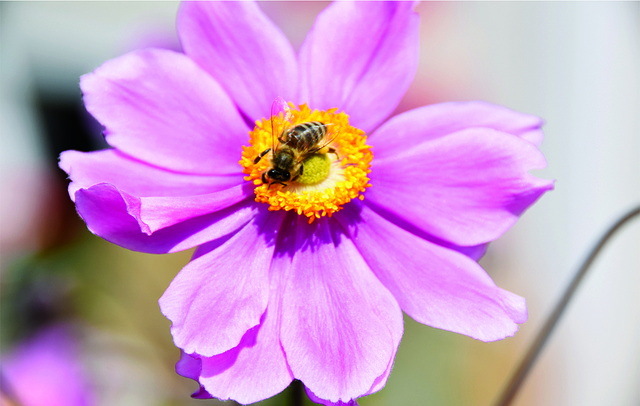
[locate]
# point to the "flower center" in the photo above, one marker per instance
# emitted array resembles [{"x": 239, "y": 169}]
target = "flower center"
[{"x": 312, "y": 162}]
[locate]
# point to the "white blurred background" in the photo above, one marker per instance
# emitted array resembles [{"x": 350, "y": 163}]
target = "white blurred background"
[{"x": 576, "y": 64}]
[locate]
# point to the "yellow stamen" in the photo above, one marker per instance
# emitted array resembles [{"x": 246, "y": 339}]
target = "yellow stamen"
[
  {"x": 316, "y": 169},
  {"x": 326, "y": 188}
]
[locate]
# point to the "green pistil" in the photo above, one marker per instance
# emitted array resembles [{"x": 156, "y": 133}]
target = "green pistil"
[{"x": 315, "y": 169}]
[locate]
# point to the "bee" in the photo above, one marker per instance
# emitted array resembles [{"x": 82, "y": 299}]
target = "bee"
[{"x": 295, "y": 143}]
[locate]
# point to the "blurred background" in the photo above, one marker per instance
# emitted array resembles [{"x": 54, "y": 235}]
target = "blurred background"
[{"x": 88, "y": 309}]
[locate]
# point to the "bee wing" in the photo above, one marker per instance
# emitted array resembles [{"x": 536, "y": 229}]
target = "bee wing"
[{"x": 279, "y": 108}]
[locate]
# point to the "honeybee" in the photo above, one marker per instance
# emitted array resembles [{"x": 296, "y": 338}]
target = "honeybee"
[{"x": 295, "y": 143}]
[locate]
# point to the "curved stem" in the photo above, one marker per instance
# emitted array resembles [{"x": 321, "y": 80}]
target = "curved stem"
[{"x": 525, "y": 365}]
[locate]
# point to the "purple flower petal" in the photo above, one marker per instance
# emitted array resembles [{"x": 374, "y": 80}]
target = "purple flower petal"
[
  {"x": 434, "y": 285},
  {"x": 223, "y": 291},
  {"x": 340, "y": 325},
  {"x": 316, "y": 399},
  {"x": 416, "y": 126},
  {"x": 474, "y": 252},
  {"x": 240, "y": 47},
  {"x": 117, "y": 217},
  {"x": 240, "y": 373},
  {"x": 162, "y": 108},
  {"x": 378, "y": 384},
  {"x": 161, "y": 212},
  {"x": 360, "y": 57},
  {"x": 135, "y": 177},
  {"x": 155, "y": 213},
  {"x": 190, "y": 367},
  {"x": 467, "y": 188}
]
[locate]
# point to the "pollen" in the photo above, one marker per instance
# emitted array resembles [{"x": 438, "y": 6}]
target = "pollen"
[
  {"x": 316, "y": 169},
  {"x": 326, "y": 171}
]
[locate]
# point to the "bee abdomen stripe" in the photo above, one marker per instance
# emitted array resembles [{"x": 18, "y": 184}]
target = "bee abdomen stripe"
[{"x": 306, "y": 135}]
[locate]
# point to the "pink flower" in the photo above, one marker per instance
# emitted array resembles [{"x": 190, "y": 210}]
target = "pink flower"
[
  {"x": 46, "y": 371},
  {"x": 269, "y": 297}
]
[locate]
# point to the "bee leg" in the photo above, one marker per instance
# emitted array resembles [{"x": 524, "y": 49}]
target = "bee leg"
[
  {"x": 299, "y": 174},
  {"x": 264, "y": 179},
  {"x": 259, "y": 157},
  {"x": 333, "y": 151}
]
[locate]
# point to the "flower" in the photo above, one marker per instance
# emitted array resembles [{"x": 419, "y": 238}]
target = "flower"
[
  {"x": 270, "y": 296},
  {"x": 45, "y": 370}
]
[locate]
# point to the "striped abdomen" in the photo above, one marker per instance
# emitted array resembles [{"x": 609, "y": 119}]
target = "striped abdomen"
[{"x": 305, "y": 136}]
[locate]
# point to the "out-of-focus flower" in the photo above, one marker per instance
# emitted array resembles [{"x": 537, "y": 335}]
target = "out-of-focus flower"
[
  {"x": 46, "y": 371},
  {"x": 270, "y": 296}
]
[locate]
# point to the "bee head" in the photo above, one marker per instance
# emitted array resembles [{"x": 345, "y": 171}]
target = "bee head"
[{"x": 279, "y": 175}]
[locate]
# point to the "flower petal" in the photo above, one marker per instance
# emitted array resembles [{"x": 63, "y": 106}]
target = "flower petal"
[
  {"x": 161, "y": 212},
  {"x": 467, "y": 188},
  {"x": 257, "y": 368},
  {"x": 434, "y": 285},
  {"x": 154, "y": 212},
  {"x": 340, "y": 325},
  {"x": 426, "y": 123},
  {"x": 474, "y": 252},
  {"x": 46, "y": 369},
  {"x": 360, "y": 57},
  {"x": 223, "y": 291},
  {"x": 315, "y": 399},
  {"x": 190, "y": 366},
  {"x": 240, "y": 47},
  {"x": 135, "y": 177},
  {"x": 120, "y": 218},
  {"x": 160, "y": 107}
]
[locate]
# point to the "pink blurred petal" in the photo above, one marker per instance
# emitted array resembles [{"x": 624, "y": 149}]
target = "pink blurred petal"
[
  {"x": 160, "y": 107},
  {"x": 340, "y": 325},
  {"x": 438, "y": 120},
  {"x": 116, "y": 217},
  {"x": 137, "y": 178},
  {"x": 467, "y": 188},
  {"x": 224, "y": 291},
  {"x": 360, "y": 57},
  {"x": 434, "y": 285},
  {"x": 240, "y": 47},
  {"x": 46, "y": 371}
]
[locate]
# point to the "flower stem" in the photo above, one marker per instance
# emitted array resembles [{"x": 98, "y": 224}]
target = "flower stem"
[
  {"x": 297, "y": 393},
  {"x": 527, "y": 362}
]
